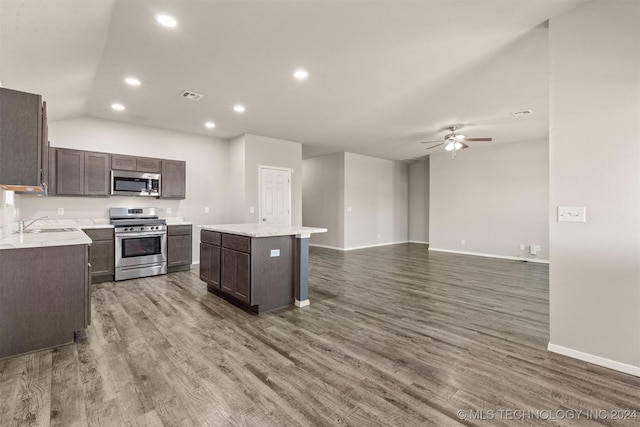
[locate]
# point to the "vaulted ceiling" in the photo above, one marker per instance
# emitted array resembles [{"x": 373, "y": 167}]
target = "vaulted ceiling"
[{"x": 383, "y": 75}]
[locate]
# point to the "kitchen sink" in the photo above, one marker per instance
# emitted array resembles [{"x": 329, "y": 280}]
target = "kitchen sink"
[{"x": 48, "y": 230}]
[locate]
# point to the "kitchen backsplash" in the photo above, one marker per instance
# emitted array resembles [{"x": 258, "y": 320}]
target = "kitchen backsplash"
[{"x": 7, "y": 213}]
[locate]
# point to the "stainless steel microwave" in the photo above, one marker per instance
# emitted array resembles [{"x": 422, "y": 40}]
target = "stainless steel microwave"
[{"x": 128, "y": 183}]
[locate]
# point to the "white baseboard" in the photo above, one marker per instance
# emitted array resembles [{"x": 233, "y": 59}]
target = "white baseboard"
[
  {"x": 358, "y": 247},
  {"x": 195, "y": 263},
  {"x": 326, "y": 247},
  {"x": 596, "y": 360},
  {"x": 514, "y": 258},
  {"x": 419, "y": 241},
  {"x": 302, "y": 303}
]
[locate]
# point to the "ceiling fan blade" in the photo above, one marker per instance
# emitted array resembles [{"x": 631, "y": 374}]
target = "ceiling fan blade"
[
  {"x": 463, "y": 146},
  {"x": 442, "y": 143},
  {"x": 478, "y": 139},
  {"x": 431, "y": 142}
]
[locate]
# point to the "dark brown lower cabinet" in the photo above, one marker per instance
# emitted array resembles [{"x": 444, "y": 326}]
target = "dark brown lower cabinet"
[
  {"x": 101, "y": 254},
  {"x": 236, "y": 274},
  {"x": 179, "y": 244},
  {"x": 210, "y": 265},
  {"x": 44, "y": 297},
  {"x": 254, "y": 273}
]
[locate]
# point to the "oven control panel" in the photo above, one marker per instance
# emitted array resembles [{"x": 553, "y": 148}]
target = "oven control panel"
[{"x": 140, "y": 228}]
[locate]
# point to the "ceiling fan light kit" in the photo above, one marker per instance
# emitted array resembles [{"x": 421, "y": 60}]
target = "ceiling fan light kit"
[{"x": 454, "y": 141}]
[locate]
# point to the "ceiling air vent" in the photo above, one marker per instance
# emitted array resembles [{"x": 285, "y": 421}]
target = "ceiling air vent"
[
  {"x": 522, "y": 113},
  {"x": 187, "y": 94}
]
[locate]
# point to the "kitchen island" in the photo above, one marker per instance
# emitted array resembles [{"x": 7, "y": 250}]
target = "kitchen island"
[{"x": 259, "y": 267}]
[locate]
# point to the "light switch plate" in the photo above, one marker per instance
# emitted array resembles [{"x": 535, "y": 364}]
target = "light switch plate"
[
  {"x": 275, "y": 252},
  {"x": 60, "y": 211},
  {"x": 572, "y": 214}
]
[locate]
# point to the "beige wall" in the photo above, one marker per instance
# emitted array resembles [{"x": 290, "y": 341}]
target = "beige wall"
[
  {"x": 236, "y": 183},
  {"x": 206, "y": 181},
  {"x": 362, "y": 200},
  {"x": 376, "y": 199},
  {"x": 419, "y": 201},
  {"x": 494, "y": 198},
  {"x": 323, "y": 198},
  {"x": 595, "y": 162}
]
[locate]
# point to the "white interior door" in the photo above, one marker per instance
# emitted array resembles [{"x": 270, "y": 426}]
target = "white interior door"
[{"x": 275, "y": 195}]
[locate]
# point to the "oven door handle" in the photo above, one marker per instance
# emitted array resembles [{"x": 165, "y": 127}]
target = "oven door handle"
[{"x": 142, "y": 234}]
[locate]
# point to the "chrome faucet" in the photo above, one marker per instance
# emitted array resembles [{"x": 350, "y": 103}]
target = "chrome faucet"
[{"x": 22, "y": 225}]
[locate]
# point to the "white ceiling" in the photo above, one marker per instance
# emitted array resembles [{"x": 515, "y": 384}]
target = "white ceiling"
[{"x": 384, "y": 75}]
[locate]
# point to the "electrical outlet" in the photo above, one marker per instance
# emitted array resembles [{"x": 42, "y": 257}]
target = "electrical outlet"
[
  {"x": 522, "y": 246},
  {"x": 538, "y": 248},
  {"x": 379, "y": 235},
  {"x": 168, "y": 210},
  {"x": 462, "y": 242},
  {"x": 252, "y": 209},
  {"x": 60, "y": 211},
  {"x": 206, "y": 210}
]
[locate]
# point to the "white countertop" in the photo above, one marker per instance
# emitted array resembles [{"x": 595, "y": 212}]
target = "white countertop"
[
  {"x": 177, "y": 221},
  {"x": 39, "y": 240},
  {"x": 264, "y": 230},
  {"x": 35, "y": 240}
]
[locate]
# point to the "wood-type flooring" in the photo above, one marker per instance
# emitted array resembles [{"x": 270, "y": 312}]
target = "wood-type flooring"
[{"x": 394, "y": 336}]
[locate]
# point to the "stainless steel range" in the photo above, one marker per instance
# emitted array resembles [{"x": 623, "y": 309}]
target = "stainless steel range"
[{"x": 140, "y": 244}]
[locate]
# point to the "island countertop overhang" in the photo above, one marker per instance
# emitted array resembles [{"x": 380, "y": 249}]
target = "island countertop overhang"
[{"x": 264, "y": 230}]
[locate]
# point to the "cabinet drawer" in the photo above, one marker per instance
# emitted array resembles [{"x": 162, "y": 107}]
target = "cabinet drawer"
[
  {"x": 210, "y": 237},
  {"x": 238, "y": 243},
  {"x": 176, "y": 230},
  {"x": 100, "y": 233}
]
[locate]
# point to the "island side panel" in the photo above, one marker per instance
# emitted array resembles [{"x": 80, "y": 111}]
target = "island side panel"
[{"x": 272, "y": 260}]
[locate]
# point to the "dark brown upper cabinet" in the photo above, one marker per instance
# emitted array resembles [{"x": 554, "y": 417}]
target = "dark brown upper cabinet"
[
  {"x": 81, "y": 173},
  {"x": 23, "y": 141},
  {"x": 132, "y": 163},
  {"x": 173, "y": 184}
]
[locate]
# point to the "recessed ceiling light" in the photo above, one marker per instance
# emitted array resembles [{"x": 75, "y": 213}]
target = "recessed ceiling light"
[
  {"x": 239, "y": 108},
  {"x": 166, "y": 20},
  {"x": 132, "y": 81},
  {"x": 210, "y": 125},
  {"x": 117, "y": 107},
  {"x": 301, "y": 74}
]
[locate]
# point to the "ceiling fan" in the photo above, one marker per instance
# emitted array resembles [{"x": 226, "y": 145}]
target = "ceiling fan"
[{"x": 454, "y": 141}]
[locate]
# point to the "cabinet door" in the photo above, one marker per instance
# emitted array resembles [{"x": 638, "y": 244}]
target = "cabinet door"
[
  {"x": 69, "y": 172},
  {"x": 243, "y": 277},
  {"x": 173, "y": 179},
  {"x": 205, "y": 262},
  {"x": 235, "y": 274},
  {"x": 101, "y": 254},
  {"x": 96, "y": 176},
  {"x": 210, "y": 265},
  {"x": 102, "y": 263},
  {"x": 123, "y": 163},
  {"x": 178, "y": 250},
  {"x": 144, "y": 164},
  {"x": 20, "y": 137}
]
